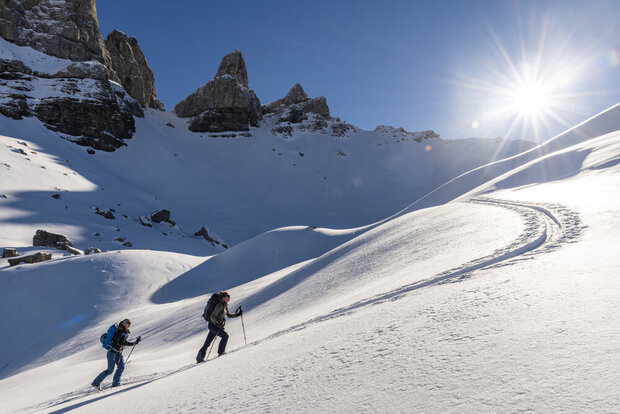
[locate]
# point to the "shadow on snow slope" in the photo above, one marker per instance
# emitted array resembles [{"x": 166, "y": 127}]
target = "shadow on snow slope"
[
  {"x": 249, "y": 260},
  {"x": 45, "y": 304}
]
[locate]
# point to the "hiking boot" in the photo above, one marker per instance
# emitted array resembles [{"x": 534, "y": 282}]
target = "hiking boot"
[
  {"x": 97, "y": 387},
  {"x": 116, "y": 385}
]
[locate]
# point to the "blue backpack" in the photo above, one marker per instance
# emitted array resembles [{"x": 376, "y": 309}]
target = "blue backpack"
[{"x": 106, "y": 338}]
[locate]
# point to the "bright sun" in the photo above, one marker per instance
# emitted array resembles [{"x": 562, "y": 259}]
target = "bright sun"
[{"x": 530, "y": 99}]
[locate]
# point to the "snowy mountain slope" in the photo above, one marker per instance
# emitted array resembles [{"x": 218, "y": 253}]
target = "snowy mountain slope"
[
  {"x": 237, "y": 187},
  {"x": 603, "y": 123},
  {"x": 510, "y": 334},
  {"x": 503, "y": 301}
]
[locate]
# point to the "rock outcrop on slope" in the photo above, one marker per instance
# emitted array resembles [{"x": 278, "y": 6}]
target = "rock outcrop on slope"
[
  {"x": 298, "y": 112},
  {"x": 135, "y": 76},
  {"x": 296, "y": 106},
  {"x": 55, "y": 65},
  {"x": 224, "y": 103}
]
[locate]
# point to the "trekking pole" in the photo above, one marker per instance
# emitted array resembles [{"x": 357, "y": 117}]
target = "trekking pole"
[
  {"x": 243, "y": 325},
  {"x": 127, "y": 362},
  {"x": 213, "y": 343}
]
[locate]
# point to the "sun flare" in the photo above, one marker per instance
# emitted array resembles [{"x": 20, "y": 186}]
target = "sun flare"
[{"x": 530, "y": 99}]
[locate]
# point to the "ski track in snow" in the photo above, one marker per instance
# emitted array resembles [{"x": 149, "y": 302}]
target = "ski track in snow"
[{"x": 547, "y": 228}]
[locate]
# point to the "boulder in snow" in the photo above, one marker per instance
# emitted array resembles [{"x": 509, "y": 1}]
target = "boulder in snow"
[
  {"x": 145, "y": 221},
  {"x": 160, "y": 215},
  {"x": 107, "y": 213},
  {"x": 44, "y": 238},
  {"x": 33, "y": 258},
  {"x": 8, "y": 252}
]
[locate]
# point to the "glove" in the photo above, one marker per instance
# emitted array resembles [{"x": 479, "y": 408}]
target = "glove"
[
  {"x": 239, "y": 312},
  {"x": 138, "y": 339}
]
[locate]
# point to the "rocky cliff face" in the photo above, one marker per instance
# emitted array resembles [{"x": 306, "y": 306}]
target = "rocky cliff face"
[
  {"x": 224, "y": 103},
  {"x": 132, "y": 69},
  {"x": 64, "y": 29},
  {"x": 55, "y": 65}
]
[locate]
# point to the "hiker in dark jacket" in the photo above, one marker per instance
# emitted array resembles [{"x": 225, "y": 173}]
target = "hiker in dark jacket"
[
  {"x": 217, "y": 320},
  {"x": 115, "y": 342}
]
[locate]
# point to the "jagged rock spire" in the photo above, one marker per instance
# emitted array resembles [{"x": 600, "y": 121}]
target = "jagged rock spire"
[
  {"x": 225, "y": 103},
  {"x": 234, "y": 65},
  {"x": 133, "y": 71}
]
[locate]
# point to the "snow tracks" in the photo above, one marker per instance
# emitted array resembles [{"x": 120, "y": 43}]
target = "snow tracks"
[{"x": 547, "y": 227}]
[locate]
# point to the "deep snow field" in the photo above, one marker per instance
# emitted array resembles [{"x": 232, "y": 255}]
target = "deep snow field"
[{"x": 496, "y": 292}]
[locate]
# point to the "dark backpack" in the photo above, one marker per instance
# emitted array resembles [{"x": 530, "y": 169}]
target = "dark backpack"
[
  {"x": 106, "y": 338},
  {"x": 213, "y": 300}
]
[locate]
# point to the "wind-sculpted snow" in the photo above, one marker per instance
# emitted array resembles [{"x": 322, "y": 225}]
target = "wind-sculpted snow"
[
  {"x": 252, "y": 259},
  {"x": 546, "y": 228}
]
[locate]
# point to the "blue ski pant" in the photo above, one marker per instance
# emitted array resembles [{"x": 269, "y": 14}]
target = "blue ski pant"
[
  {"x": 213, "y": 332},
  {"x": 113, "y": 359}
]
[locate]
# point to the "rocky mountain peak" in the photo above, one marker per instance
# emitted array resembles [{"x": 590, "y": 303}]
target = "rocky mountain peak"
[
  {"x": 56, "y": 67},
  {"x": 297, "y": 104},
  {"x": 234, "y": 65},
  {"x": 296, "y": 94},
  {"x": 225, "y": 103},
  {"x": 129, "y": 63}
]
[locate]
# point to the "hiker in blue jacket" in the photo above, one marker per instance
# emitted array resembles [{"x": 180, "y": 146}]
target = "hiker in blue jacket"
[{"x": 115, "y": 342}]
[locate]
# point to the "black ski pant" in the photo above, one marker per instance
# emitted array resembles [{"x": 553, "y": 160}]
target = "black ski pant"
[{"x": 213, "y": 331}]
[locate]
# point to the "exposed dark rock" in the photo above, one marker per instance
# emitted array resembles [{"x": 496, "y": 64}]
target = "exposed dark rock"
[
  {"x": 286, "y": 130},
  {"x": 224, "y": 103},
  {"x": 56, "y": 196},
  {"x": 102, "y": 123},
  {"x": 107, "y": 213},
  {"x": 120, "y": 239},
  {"x": 170, "y": 125},
  {"x": 92, "y": 250},
  {"x": 340, "y": 129},
  {"x": 33, "y": 258},
  {"x": 65, "y": 29},
  {"x": 160, "y": 215},
  {"x": 91, "y": 151},
  {"x": 294, "y": 115},
  {"x": 295, "y": 106},
  {"x": 132, "y": 69},
  {"x": 78, "y": 101},
  {"x": 128, "y": 244},
  {"x": 233, "y": 65},
  {"x": 44, "y": 238},
  {"x": 208, "y": 237},
  {"x": 8, "y": 252},
  {"x": 145, "y": 221},
  {"x": 403, "y": 134}
]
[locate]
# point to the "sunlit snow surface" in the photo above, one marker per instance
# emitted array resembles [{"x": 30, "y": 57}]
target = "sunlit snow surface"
[{"x": 503, "y": 300}]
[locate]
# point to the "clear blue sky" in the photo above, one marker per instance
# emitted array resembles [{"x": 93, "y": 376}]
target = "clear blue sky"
[{"x": 441, "y": 65}]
